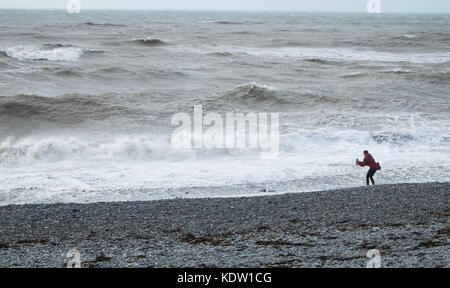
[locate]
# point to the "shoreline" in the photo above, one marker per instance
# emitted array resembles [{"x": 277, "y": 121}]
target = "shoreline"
[{"x": 407, "y": 223}]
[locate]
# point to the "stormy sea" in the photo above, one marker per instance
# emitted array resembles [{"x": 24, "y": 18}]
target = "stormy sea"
[{"x": 86, "y": 101}]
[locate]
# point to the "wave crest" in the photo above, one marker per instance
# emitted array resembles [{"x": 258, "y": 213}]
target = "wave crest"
[
  {"x": 149, "y": 42},
  {"x": 253, "y": 94},
  {"x": 52, "y": 149},
  {"x": 103, "y": 24},
  {"x": 30, "y": 52},
  {"x": 67, "y": 109}
]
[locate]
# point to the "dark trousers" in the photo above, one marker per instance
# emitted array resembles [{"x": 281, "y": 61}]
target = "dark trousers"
[{"x": 369, "y": 175}]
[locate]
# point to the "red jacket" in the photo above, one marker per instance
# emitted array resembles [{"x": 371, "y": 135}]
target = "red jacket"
[{"x": 369, "y": 161}]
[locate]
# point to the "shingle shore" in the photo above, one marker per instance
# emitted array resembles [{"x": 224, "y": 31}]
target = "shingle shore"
[{"x": 408, "y": 223}]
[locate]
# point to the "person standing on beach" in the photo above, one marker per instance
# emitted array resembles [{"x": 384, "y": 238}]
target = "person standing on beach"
[{"x": 374, "y": 166}]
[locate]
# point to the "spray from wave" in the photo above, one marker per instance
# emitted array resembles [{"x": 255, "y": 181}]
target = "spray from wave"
[
  {"x": 60, "y": 148},
  {"x": 118, "y": 148}
]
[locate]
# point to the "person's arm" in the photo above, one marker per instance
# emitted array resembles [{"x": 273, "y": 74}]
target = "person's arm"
[{"x": 362, "y": 164}]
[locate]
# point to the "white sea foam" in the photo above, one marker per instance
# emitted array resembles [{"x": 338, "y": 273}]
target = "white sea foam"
[
  {"x": 314, "y": 166},
  {"x": 332, "y": 54},
  {"x": 33, "y": 52},
  {"x": 53, "y": 149},
  {"x": 76, "y": 169},
  {"x": 349, "y": 54}
]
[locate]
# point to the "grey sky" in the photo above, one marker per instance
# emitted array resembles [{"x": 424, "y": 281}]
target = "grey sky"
[{"x": 388, "y": 6}]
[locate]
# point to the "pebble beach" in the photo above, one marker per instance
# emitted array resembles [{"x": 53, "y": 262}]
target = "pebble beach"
[{"x": 407, "y": 223}]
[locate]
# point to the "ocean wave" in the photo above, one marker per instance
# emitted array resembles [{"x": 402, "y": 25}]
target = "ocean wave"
[
  {"x": 407, "y": 36},
  {"x": 103, "y": 24},
  {"x": 241, "y": 32},
  {"x": 61, "y": 71},
  {"x": 227, "y": 23},
  {"x": 66, "y": 109},
  {"x": 30, "y": 52},
  {"x": 397, "y": 71},
  {"x": 100, "y": 73},
  {"x": 390, "y": 42},
  {"x": 158, "y": 148},
  {"x": 292, "y": 44},
  {"x": 355, "y": 75},
  {"x": 56, "y": 45},
  {"x": 51, "y": 52},
  {"x": 121, "y": 72},
  {"x": 304, "y": 140},
  {"x": 434, "y": 77},
  {"x": 221, "y": 54},
  {"x": 115, "y": 148},
  {"x": 114, "y": 70},
  {"x": 250, "y": 95},
  {"x": 52, "y": 149},
  {"x": 35, "y": 149},
  {"x": 94, "y": 51},
  {"x": 348, "y": 54},
  {"x": 149, "y": 42},
  {"x": 319, "y": 61},
  {"x": 254, "y": 92},
  {"x": 325, "y": 55},
  {"x": 419, "y": 38}
]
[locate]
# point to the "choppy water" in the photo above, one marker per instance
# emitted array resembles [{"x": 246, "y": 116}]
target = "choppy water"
[{"x": 86, "y": 101}]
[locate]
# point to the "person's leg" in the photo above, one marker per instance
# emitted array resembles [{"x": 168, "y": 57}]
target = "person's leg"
[
  {"x": 370, "y": 174},
  {"x": 368, "y": 177}
]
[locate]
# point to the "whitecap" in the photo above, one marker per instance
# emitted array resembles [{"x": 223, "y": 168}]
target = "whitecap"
[{"x": 32, "y": 52}]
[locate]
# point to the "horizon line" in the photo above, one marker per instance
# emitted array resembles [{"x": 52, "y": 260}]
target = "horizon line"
[{"x": 222, "y": 10}]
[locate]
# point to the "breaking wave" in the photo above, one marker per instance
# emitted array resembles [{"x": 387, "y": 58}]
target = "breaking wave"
[
  {"x": 49, "y": 52},
  {"x": 320, "y": 55},
  {"x": 252, "y": 95},
  {"x": 29, "y": 52},
  {"x": 256, "y": 92},
  {"x": 51, "y": 149},
  {"x": 158, "y": 147}
]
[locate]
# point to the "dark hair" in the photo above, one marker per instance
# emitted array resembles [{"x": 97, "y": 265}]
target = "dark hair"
[{"x": 366, "y": 152}]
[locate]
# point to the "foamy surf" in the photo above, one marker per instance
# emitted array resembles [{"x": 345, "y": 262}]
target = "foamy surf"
[
  {"x": 350, "y": 54},
  {"x": 86, "y": 102},
  {"x": 33, "y": 52},
  {"x": 105, "y": 180},
  {"x": 318, "y": 54},
  {"x": 122, "y": 168}
]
